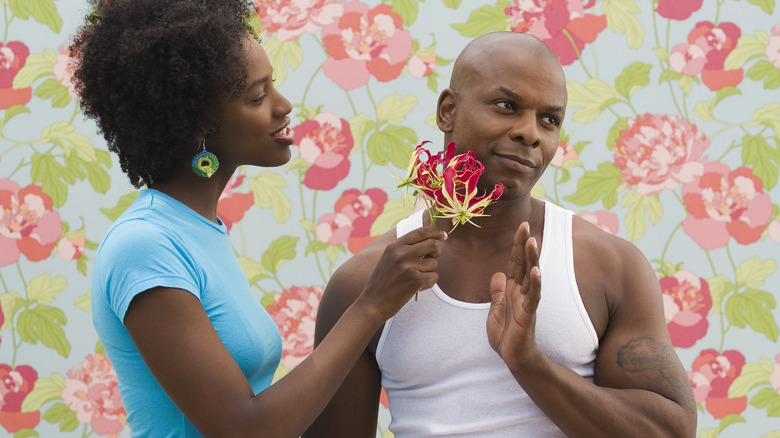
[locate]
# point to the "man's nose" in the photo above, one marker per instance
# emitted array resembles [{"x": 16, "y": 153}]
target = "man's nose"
[{"x": 526, "y": 129}]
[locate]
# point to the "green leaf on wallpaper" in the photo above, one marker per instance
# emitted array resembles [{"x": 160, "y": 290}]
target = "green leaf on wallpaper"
[
  {"x": 44, "y": 391},
  {"x": 14, "y": 111},
  {"x": 593, "y": 97},
  {"x": 394, "y": 211},
  {"x": 332, "y": 253},
  {"x": 19, "y": 8},
  {"x": 597, "y": 184},
  {"x": 84, "y": 302},
  {"x": 316, "y": 246},
  {"x": 614, "y": 132},
  {"x": 748, "y": 47},
  {"x": 98, "y": 177},
  {"x": 763, "y": 158},
  {"x": 621, "y": 18},
  {"x": 11, "y": 302},
  {"x": 394, "y": 144},
  {"x": 265, "y": 188},
  {"x": 280, "y": 52},
  {"x": 752, "y": 272},
  {"x": 764, "y": 70},
  {"x": 767, "y": 115},
  {"x": 633, "y": 77},
  {"x": 59, "y": 412},
  {"x": 120, "y": 207},
  {"x": 752, "y": 375},
  {"x": 726, "y": 92},
  {"x": 297, "y": 164},
  {"x": 45, "y": 12},
  {"x": 62, "y": 134},
  {"x": 44, "y": 323},
  {"x": 538, "y": 191},
  {"x": 48, "y": 172},
  {"x": 669, "y": 75},
  {"x": 720, "y": 286},
  {"x": 253, "y": 270},
  {"x": 752, "y": 307},
  {"x": 773, "y": 434},
  {"x": 766, "y": 5},
  {"x": 36, "y": 66},
  {"x": 393, "y": 109},
  {"x": 639, "y": 207},
  {"x": 730, "y": 419},
  {"x": 767, "y": 397},
  {"x": 704, "y": 109},
  {"x": 42, "y": 289},
  {"x": 308, "y": 225},
  {"x": 279, "y": 252},
  {"x": 431, "y": 120},
  {"x": 485, "y": 19},
  {"x": 452, "y": 4},
  {"x": 53, "y": 89},
  {"x": 708, "y": 433},
  {"x": 359, "y": 127},
  {"x": 407, "y": 9}
]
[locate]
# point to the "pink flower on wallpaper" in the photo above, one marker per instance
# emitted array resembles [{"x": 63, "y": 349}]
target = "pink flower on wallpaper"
[
  {"x": 657, "y": 152},
  {"x": 677, "y": 9},
  {"x": 15, "y": 384},
  {"x": 562, "y": 24},
  {"x": 232, "y": 205},
  {"x": 773, "y": 48},
  {"x": 71, "y": 248},
  {"x": 13, "y": 56},
  {"x": 725, "y": 203},
  {"x": 774, "y": 230},
  {"x": 2, "y": 320},
  {"x": 774, "y": 376},
  {"x": 717, "y": 42},
  {"x": 687, "y": 302},
  {"x": 63, "y": 71},
  {"x": 28, "y": 225},
  {"x": 324, "y": 142},
  {"x": 365, "y": 42},
  {"x": 334, "y": 228},
  {"x": 295, "y": 311},
  {"x": 421, "y": 66},
  {"x": 92, "y": 392},
  {"x": 688, "y": 59},
  {"x": 564, "y": 154},
  {"x": 362, "y": 209},
  {"x": 289, "y": 19},
  {"x": 606, "y": 220},
  {"x": 711, "y": 378}
]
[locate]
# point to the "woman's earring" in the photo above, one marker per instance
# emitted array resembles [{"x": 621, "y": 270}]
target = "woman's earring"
[{"x": 205, "y": 163}]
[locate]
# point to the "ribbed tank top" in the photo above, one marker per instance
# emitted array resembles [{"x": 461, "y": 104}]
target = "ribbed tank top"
[{"x": 442, "y": 377}]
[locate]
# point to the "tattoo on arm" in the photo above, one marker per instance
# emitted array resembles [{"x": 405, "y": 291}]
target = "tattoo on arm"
[{"x": 646, "y": 354}]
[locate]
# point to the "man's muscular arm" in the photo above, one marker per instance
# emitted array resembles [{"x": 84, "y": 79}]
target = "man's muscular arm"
[{"x": 640, "y": 386}]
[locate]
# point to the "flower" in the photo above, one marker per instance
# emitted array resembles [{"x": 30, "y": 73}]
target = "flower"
[
  {"x": 15, "y": 384},
  {"x": 687, "y": 302},
  {"x": 717, "y": 42},
  {"x": 773, "y": 48},
  {"x": 92, "y": 392},
  {"x": 333, "y": 228},
  {"x": 657, "y": 152},
  {"x": 71, "y": 247},
  {"x": 774, "y": 376},
  {"x": 677, "y": 9},
  {"x": 365, "y": 42},
  {"x": 13, "y": 56},
  {"x": 774, "y": 230},
  {"x": 362, "y": 209},
  {"x": 64, "y": 69},
  {"x": 725, "y": 203},
  {"x": 711, "y": 378},
  {"x": 232, "y": 205},
  {"x": 28, "y": 225},
  {"x": 324, "y": 142},
  {"x": 688, "y": 59},
  {"x": 452, "y": 192},
  {"x": 295, "y": 311},
  {"x": 291, "y": 18},
  {"x": 564, "y": 154},
  {"x": 605, "y": 220},
  {"x": 421, "y": 66},
  {"x": 562, "y": 24}
]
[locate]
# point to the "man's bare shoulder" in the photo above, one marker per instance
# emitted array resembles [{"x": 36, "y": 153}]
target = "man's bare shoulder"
[{"x": 606, "y": 250}]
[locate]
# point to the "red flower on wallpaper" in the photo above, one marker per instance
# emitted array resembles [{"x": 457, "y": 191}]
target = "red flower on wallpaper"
[
  {"x": 657, "y": 152},
  {"x": 15, "y": 384},
  {"x": 63, "y": 70},
  {"x": 774, "y": 376},
  {"x": 28, "y": 225},
  {"x": 711, "y": 378},
  {"x": 687, "y": 302},
  {"x": 717, "y": 42},
  {"x": 295, "y": 311},
  {"x": 606, "y": 220},
  {"x": 688, "y": 59},
  {"x": 725, "y": 203},
  {"x": 773, "y": 48},
  {"x": 290, "y": 19},
  {"x": 71, "y": 248},
  {"x": 562, "y": 24},
  {"x": 677, "y": 9},
  {"x": 333, "y": 228},
  {"x": 325, "y": 143},
  {"x": 362, "y": 209},
  {"x": 365, "y": 42},
  {"x": 13, "y": 56},
  {"x": 92, "y": 392},
  {"x": 232, "y": 205},
  {"x": 564, "y": 154},
  {"x": 421, "y": 66}
]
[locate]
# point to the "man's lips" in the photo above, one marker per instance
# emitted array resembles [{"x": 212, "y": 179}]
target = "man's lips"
[{"x": 516, "y": 162}]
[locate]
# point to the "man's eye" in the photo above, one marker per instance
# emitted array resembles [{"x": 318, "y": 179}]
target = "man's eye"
[
  {"x": 551, "y": 120},
  {"x": 506, "y": 105}
]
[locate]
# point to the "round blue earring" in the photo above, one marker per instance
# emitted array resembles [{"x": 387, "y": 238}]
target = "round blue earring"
[{"x": 204, "y": 164}]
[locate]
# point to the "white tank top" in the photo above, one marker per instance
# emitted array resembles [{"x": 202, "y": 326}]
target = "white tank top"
[{"x": 442, "y": 377}]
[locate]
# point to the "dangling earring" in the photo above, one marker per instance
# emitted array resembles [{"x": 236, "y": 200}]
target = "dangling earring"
[{"x": 205, "y": 163}]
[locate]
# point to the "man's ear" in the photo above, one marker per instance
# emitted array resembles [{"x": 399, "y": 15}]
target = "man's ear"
[{"x": 445, "y": 110}]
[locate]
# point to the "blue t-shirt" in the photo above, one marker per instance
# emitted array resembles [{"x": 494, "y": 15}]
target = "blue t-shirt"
[{"x": 159, "y": 241}]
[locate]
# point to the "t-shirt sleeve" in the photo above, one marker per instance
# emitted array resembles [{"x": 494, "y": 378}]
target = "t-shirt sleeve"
[{"x": 137, "y": 256}]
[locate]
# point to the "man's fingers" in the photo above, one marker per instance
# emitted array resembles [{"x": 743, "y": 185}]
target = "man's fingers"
[
  {"x": 517, "y": 261},
  {"x": 533, "y": 292},
  {"x": 497, "y": 287}
]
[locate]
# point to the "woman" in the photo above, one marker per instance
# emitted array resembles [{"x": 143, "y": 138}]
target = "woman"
[{"x": 184, "y": 95}]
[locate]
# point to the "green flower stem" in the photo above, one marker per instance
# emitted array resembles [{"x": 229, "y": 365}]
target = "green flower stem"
[
  {"x": 579, "y": 54},
  {"x": 311, "y": 80},
  {"x": 309, "y": 235},
  {"x": 240, "y": 227},
  {"x": 351, "y": 103},
  {"x": 717, "y": 11},
  {"x": 7, "y": 22},
  {"x": 2, "y": 280},
  {"x": 712, "y": 265},
  {"x": 313, "y": 217},
  {"x": 557, "y": 200},
  {"x": 661, "y": 63},
  {"x": 669, "y": 240},
  {"x": 731, "y": 259}
]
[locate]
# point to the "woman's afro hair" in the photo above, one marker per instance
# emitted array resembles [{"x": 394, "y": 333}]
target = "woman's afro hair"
[{"x": 152, "y": 73}]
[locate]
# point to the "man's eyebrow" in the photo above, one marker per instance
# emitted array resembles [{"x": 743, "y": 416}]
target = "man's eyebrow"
[{"x": 516, "y": 97}]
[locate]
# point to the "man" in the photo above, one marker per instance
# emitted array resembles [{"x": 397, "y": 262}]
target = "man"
[{"x": 576, "y": 319}]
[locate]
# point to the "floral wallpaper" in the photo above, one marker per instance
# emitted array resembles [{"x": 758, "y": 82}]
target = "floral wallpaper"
[{"x": 671, "y": 141}]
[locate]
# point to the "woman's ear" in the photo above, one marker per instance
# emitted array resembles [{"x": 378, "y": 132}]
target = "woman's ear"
[{"x": 445, "y": 110}]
